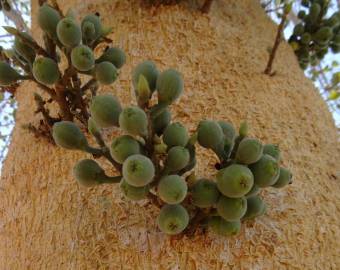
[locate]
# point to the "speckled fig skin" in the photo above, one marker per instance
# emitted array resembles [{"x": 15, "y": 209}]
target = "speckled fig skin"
[
  {"x": 249, "y": 151},
  {"x": 204, "y": 193},
  {"x": 149, "y": 70},
  {"x": 48, "y": 19},
  {"x": 173, "y": 219},
  {"x": 106, "y": 73},
  {"x": 45, "y": 70},
  {"x": 231, "y": 209},
  {"x": 224, "y": 228},
  {"x": 175, "y": 135},
  {"x": 255, "y": 207},
  {"x": 169, "y": 86},
  {"x": 133, "y": 193},
  {"x": 122, "y": 147},
  {"x": 172, "y": 189},
  {"x": 209, "y": 134},
  {"x": 133, "y": 120},
  {"x": 115, "y": 56},
  {"x": 178, "y": 157},
  {"x": 68, "y": 135},
  {"x": 69, "y": 32},
  {"x": 82, "y": 58}
]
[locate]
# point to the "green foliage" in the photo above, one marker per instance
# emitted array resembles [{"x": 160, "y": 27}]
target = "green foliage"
[{"x": 24, "y": 50}]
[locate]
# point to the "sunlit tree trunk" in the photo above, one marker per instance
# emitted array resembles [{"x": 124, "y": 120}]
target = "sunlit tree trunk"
[{"x": 48, "y": 222}]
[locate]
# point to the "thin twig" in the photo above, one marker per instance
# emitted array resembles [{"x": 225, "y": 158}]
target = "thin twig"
[{"x": 278, "y": 39}]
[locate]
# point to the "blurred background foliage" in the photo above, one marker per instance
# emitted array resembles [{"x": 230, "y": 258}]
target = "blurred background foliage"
[{"x": 325, "y": 72}]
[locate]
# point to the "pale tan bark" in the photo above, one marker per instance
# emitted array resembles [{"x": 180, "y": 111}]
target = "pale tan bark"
[{"x": 48, "y": 222}]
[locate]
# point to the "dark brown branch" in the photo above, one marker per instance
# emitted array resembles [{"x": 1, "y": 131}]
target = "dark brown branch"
[
  {"x": 278, "y": 39},
  {"x": 44, "y": 111},
  {"x": 206, "y": 6},
  {"x": 88, "y": 85}
]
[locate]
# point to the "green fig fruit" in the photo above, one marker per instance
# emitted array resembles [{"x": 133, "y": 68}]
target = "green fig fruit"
[
  {"x": 266, "y": 171},
  {"x": 105, "y": 110},
  {"x": 175, "y": 135},
  {"x": 69, "y": 32},
  {"x": 106, "y": 73},
  {"x": 173, "y": 219},
  {"x": 178, "y": 157},
  {"x": 284, "y": 179},
  {"x": 249, "y": 151},
  {"x": 169, "y": 86},
  {"x": 235, "y": 181},
  {"x": 48, "y": 19},
  {"x": 231, "y": 209},
  {"x": 172, "y": 189},
  {"x": 122, "y": 147},
  {"x": 224, "y": 228},
  {"x": 95, "y": 20},
  {"x": 138, "y": 170},
  {"x": 134, "y": 193},
  {"x": 88, "y": 173},
  {"x": 255, "y": 190},
  {"x": 272, "y": 150},
  {"x": 115, "y": 56},
  {"x": 133, "y": 120},
  {"x": 204, "y": 193},
  {"x": 82, "y": 58},
  {"x": 255, "y": 207},
  {"x": 67, "y": 135},
  {"x": 45, "y": 70},
  {"x": 209, "y": 134}
]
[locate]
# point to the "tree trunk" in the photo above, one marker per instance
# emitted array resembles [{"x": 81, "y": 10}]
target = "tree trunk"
[{"x": 48, "y": 222}]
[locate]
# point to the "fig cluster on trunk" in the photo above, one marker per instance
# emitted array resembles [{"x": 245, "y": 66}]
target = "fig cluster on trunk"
[
  {"x": 155, "y": 157},
  {"x": 316, "y": 33}
]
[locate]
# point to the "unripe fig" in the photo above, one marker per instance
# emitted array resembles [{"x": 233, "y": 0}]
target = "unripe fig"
[
  {"x": 235, "y": 181},
  {"x": 106, "y": 73},
  {"x": 272, "y": 150},
  {"x": 306, "y": 38},
  {"x": 115, "y": 56},
  {"x": 88, "y": 32},
  {"x": 284, "y": 179},
  {"x": 255, "y": 207},
  {"x": 23, "y": 49},
  {"x": 134, "y": 193},
  {"x": 8, "y": 75},
  {"x": 69, "y": 32},
  {"x": 95, "y": 20},
  {"x": 255, "y": 190},
  {"x": 301, "y": 14},
  {"x": 173, "y": 219},
  {"x": 249, "y": 151},
  {"x": 169, "y": 86},
  {"x": 231, "y": 209},
  {"x": 122, "y": 147},
  {"x": 209, "y": 134},
  {"x": 48, "y": 19},
  {"x": 228, "y": 130},
  {"x": 149, "y": 70},
  {"x": 88, "y": 172},
  {"x": 175, "y": 135},
  {"x": 82, "y": 58},
  {"x": 172, "y": 189},
  {"x": 105, "y": 110},
  {"x": 45, "y": 70},
  {"x": 67, "y": 135},
  {"x": 92, "y": 127},
  {"x": 323, "y": 34},
  {"x": 266, "y": 171},
  {"x": 133, "y": 120},
  {"x": 224, "y": 228},
  {"x": 299, "y": 29},
  {"x": 138, "y": 170},
  {"x": 161, "y": 121},
  {"x": 204, "y": 193},
  {"x": 178, "y": 157}
]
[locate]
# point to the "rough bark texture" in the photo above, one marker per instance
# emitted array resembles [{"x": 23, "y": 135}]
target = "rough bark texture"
[{"x": 48, "y": 222}]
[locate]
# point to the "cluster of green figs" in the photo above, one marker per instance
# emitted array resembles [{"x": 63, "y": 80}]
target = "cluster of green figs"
[
  {"x": 156, "y": 156},
  {"x": 316, "y": 33},
  {"x": 76, "y": 39}
]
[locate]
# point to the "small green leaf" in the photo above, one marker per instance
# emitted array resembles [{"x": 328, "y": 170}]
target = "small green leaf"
[
  {"x": 11, "y": 30},
  {"x": 143, "y": 90},
  {"x": 333, "y": 95}
]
